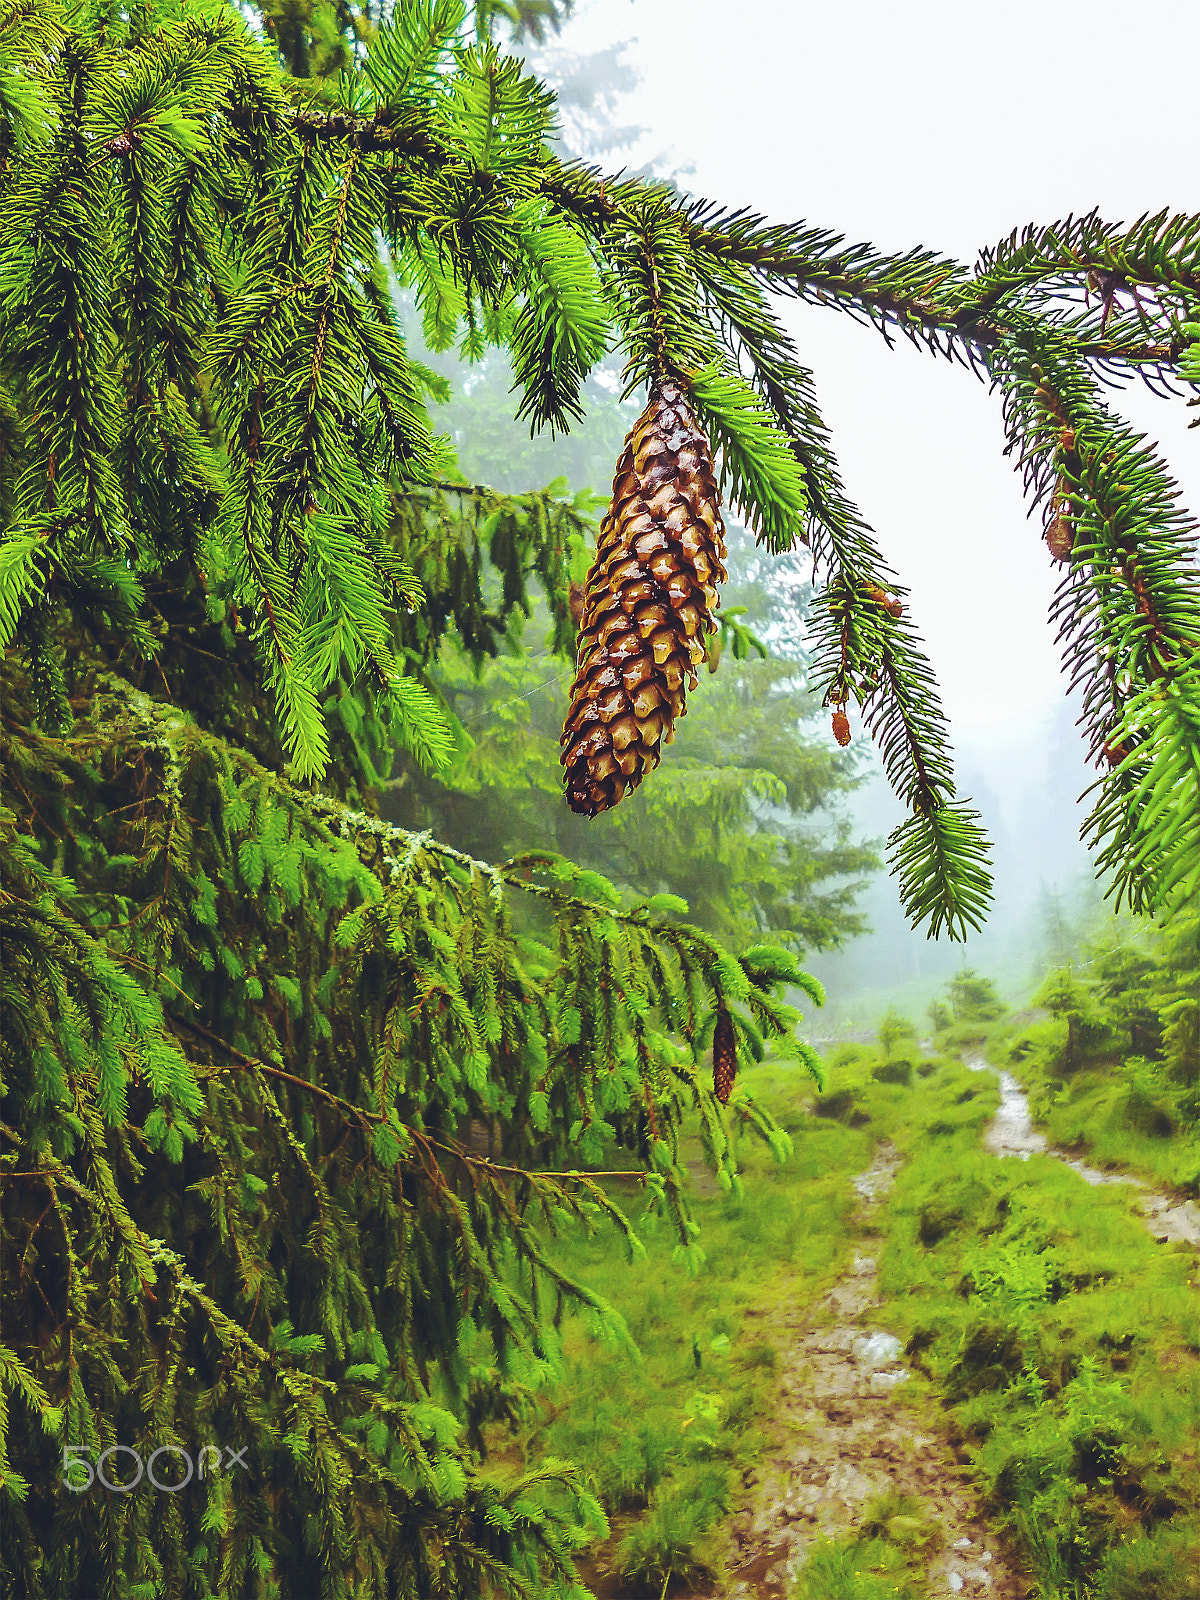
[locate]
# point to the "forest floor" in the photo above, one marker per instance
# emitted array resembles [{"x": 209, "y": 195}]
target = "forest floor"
[
  {"x": 932, "y": 1363},
  {"x": 1011, "y": 1132},
  {"x": 839, "y": 1444}
]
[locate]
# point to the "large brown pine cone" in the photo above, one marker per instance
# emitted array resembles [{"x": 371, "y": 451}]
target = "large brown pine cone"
[{"x": 648, "y": 605}]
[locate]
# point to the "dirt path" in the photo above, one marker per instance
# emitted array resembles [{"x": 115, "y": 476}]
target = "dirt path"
[
  {"x": 1011, "y": 1133},
  {"x": 841, "y": 1438}
]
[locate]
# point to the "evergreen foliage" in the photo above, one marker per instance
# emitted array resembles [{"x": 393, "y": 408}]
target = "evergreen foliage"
[
  {"x": 248, "y": 1028},
  {"x": 973, "y": 998},
  {"x": 214, "y": 949},
  {"x": 1129, "y": 1010},
  {"x": 252, "y": 1036},
  {"x": 498, "y": 236}
]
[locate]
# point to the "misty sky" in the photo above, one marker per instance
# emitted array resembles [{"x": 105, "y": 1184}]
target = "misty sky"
[{"x": 944, "y": 126}]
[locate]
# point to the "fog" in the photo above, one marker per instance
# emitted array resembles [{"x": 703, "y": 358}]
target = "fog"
[
  {"x": 939, "y": 137},
  {"x": 947, "y": 132}
]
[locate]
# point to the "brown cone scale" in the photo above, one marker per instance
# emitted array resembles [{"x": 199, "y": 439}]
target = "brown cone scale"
[{"x": 648, "y": 605}]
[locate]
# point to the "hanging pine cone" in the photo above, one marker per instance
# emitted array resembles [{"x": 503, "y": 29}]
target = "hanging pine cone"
[
  {"x": 893, "y": 607},
  {"x": 1059, "y": 534},
  {"x": 724, "y": 1057},
  {"x": 841, "y": 725},
  {"x": 648, "y": 605},
  {"x": 1060, "y": 538}
]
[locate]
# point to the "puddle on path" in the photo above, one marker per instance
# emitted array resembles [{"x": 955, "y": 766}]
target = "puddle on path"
[
  {"x": 1011, "y": 1133},
  {"x": 842, "y": 1437}
]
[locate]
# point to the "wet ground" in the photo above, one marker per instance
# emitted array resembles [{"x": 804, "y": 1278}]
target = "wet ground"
[
  {"x": 1011, "y": 1133},
  {"x": 842, "y": 1438}
]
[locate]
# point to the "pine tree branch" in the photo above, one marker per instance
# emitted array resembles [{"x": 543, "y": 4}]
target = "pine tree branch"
[
  {"x": 1160, "y": 252},
  {"x": 932, "y": 299},
  {"x": 364, "y": 1117},
  {"x": 414, "y": 138},
  {"x": 486, "y": 1164},
  {"x": 252, "y": 1063}
]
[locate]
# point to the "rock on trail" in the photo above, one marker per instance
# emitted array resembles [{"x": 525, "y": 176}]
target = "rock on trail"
[{"x": 842, "y": 1438}]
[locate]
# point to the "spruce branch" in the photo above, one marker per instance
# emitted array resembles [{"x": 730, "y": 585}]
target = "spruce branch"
[
  {"x": 1146, "y": 822},
  {"x": 444, "y": 154},
  {"x": 1128, "y": 607}
]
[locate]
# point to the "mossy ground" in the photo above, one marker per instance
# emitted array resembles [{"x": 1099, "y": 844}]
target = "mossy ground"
[
  {"x": 1062, "y": 1341},
  {"x": 1049, "y": 1335},
  {"x": 668, "y": 1433},
  {"x": 1099, "y": 1109}
]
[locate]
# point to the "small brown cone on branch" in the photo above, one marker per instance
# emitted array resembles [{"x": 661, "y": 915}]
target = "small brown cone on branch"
[
  {"x": 724, "y": 1057},
  {"x": 1059, "y": 534},
  {"x": 648, "y": 605},
  {"x": 1060, "y": 538},
  {"x": 841, "y": 725},
  {"x": 893, "y": 607}
]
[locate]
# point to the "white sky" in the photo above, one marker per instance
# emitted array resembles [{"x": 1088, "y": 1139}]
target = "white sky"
[{"x": 945, "y": 126}]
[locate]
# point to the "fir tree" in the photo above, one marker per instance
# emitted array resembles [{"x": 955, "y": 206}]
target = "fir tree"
[{"x": 247, "y": 1025}]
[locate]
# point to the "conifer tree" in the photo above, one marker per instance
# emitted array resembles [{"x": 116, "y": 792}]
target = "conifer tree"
[{"x": 245, "y": 1026}]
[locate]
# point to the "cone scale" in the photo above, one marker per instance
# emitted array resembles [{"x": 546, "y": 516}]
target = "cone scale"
[{"x": 648, "y": 605}]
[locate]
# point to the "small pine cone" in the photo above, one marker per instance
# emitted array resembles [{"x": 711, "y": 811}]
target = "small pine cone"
[
  {"x": 1060, "y": 538},
  {"x": 648, "y": 605},
  {"x": 893, "y": 607},
  {"x": 841, "y": 726},
  {"x": 724, "y": 1057}
]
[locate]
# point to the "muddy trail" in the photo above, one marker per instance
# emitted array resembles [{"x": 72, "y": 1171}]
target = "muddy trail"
[
  {"x": 841, "y": 1438},
  {"x": 1011, "y": 1133}
]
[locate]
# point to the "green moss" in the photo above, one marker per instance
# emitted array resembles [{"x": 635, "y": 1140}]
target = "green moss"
[
  {"x": 843, "y": 1105},
  {"x": 1056, "y": 1331},
  {"x": 1098, "y": 1112},
  {"x": 856, "y": 1569},
  {"x": 1035, "y": 1307},
  {"x": 1160, "y": 1566},
  {"x": 665, "y": 1433}
]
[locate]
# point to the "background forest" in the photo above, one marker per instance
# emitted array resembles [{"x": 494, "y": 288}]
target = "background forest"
[{"x": 359, "y": 1096}]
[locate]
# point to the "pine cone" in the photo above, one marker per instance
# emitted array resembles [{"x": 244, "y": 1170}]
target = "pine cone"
[
  {"x": 1060, "y": 538},
  {"x": 724, "y": 1057},
  {"x": 648, "y": 604},
  {"x": 893, "y": 607},
  {"x": 1059, "y": 534}
]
